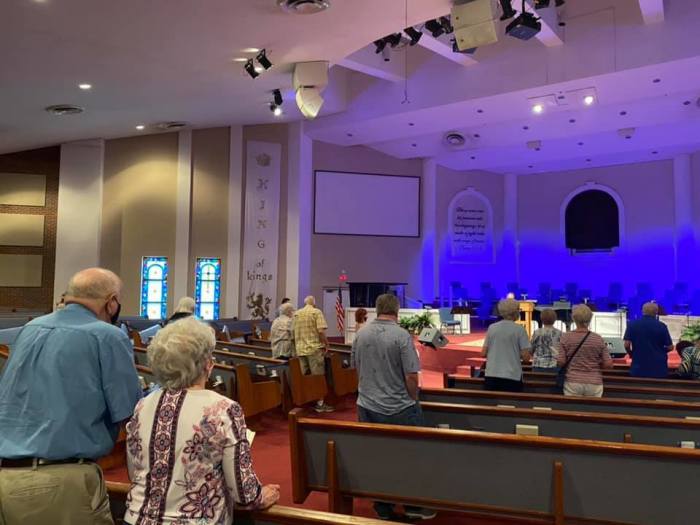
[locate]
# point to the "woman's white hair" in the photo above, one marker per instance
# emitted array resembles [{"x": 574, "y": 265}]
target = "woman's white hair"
[
  {"x": 286, "y": 309},
  {"x": 509, "y": 309},
  {"x": 581, "y": 315},
  {"x": 185, "y": 305},
  {"x": 180, "y": 352}
]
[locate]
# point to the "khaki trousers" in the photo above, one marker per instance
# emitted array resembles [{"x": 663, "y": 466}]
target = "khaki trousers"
[
  {"x": 314, "y": 364},
  {"x": 71, "y": 494}
]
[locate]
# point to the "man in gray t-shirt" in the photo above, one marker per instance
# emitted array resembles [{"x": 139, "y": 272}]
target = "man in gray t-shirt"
[
  {"x": 387, "y": 367},
  {"x": 505, "y": 347}
]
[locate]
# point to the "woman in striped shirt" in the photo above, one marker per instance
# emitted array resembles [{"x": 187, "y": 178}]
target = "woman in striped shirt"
[{"x": 584, "y": 374}]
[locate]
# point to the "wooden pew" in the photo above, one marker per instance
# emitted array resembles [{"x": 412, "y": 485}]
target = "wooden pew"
[
  {"x": 623, "y": 380},
  {"x": 617, "y": 370},
  {"x": 597, "y": 426},
  {"x": 341, "y": 378},
  {"x": 277, "y": 514},
  {"x": 254, "y": 397},
  {"x": 334, "y": 347},
  {"x": 615, "y": 390},
  {"x": 653, "y": 408},
  {"x": 547, "y": 480},
  {"x": 305, "y": 388}
]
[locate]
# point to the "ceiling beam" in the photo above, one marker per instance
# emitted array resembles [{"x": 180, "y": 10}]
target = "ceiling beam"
[
  {"x": 368, "y": 62},
  {"x": 549, "y": 35},
  {"x": 443, "y": 49},
  {"x": 652, "y": 11}
]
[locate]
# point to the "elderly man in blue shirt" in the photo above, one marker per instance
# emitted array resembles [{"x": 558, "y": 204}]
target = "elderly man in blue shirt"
[
  {"x": 648, "y": 342},
  {"x": 68, "y": 385}
]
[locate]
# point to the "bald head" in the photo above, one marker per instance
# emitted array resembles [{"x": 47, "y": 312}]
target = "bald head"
[
  {"x": 650, "y": 309},
  {"x": 93, "y": 283},
  {"x": 310, "y": 300}
]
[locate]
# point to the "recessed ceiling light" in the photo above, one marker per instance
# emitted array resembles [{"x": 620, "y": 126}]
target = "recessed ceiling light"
[
  {"x": 411, "y": 124},
  {"x": 572, "y": 120},
  {"x": 240, "y": 59},
  {"x": 414, "y": 145},
  {"x": 473, "y": 157},
  {"x": 349, "y": 134},
  {"x": 537, "y": 109},
  {"x": 580, "y": 143},
  {"x": 140, "y": 127},
  {"x": 479, "y": 110},
  {"x": 477, "y": 136},
  {"x": 588, "y": 100},
  {"x": 250, "y": 49},
  {"x": 85, "y": 87},
  {"x": 588, "y": 160},
  {"x": 530, "y": 166},
  {"x": 654, "y": 152},
  {"x": 686, "y": 103},
  {"x": 656, "y": 80},
  {"x": 526, "y": 128},
  {"x": 623, "y": 113}
]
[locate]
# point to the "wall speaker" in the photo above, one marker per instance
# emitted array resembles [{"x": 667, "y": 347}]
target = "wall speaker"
[
  {"x": 474, "y": 24},
  {"x": 433, "y": 338}
]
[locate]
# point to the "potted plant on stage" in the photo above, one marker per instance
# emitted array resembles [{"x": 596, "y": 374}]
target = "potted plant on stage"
[
  {"x": 691, "y": 333},
  {"x": 415, "y": 323}
]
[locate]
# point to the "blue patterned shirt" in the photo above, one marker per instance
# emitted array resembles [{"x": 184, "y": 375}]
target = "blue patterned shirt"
[
  {"x": 69, "y": 381},
  {"x": 690, "y": 364},
  {"x": 544, "y": 344}
]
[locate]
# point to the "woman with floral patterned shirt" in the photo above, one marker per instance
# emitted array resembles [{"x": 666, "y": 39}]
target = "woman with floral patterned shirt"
[
  {"x": 188, "y": 455},
  {"x": 545, "y": 342}
]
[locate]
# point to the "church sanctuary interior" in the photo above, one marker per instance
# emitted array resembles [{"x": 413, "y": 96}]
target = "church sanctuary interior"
[{"x": 349, "y": 262}]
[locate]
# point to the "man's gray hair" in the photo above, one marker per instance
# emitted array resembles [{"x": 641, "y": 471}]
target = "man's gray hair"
[
  {"x": 509, "y": 309},
  {"x": 185, "y": 305},
  {"x": 310, "y": 300},
  {"x": 581, "y": 315},
  {"x": 286, "y": 309},
  {"x": 179, "y": 353},
  {"x": 387, "y": 304},
  {"x": 650, "y": 308},
  {"x": 93, "y": 283}
]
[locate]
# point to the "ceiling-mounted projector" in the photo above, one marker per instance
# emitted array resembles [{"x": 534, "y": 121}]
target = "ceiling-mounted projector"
[{"x": 309, "y": 79}]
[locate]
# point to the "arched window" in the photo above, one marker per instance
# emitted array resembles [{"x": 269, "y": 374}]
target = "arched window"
[
  {"x": 154, "y": 287},
  {"x": 207, "y": 292},
  {"x": 592, "y": 221}
]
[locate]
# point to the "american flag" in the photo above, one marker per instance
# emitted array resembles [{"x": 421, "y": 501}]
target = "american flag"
[{"x": 340, "y": 312}]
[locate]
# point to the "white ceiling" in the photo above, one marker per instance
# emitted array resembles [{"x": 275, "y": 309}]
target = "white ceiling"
[
  {"x": 165, "y": 60},
  {"x": 159, "y": 60}
]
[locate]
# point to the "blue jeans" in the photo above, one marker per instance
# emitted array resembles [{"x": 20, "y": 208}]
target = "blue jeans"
[{"x": 410, "y": 417}]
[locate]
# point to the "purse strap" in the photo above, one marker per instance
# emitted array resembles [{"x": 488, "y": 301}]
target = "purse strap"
[{"x": 568, "y": 361}]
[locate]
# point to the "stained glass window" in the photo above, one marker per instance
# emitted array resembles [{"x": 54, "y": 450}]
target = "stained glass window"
[
  {"x": 207, "y": 290},
  {"x": 154, "y": 287}
]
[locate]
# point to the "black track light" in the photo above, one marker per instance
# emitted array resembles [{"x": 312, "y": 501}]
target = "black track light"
[
  {"x": 508, "y": 11},
  {"x": 413, "y": 34},
  {"x": 277, "y": 97},
  {"x": 435, "y": 28},
  {"x": 250, "y": 68},
  {"x": 380, "y": 45},
  {"x": 446, "y": 24},
  {"x": 263, "y": 60},
  {"x": 393, "y": 39}
]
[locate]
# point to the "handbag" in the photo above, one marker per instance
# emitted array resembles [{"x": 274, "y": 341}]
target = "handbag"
[{"x": 561, "y": 374}]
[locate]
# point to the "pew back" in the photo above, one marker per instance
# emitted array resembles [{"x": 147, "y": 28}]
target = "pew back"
[
  {"x": 662, "y": 431},
  {"x": 559, "y": 402},
  {"x": 533, "y": 477}
]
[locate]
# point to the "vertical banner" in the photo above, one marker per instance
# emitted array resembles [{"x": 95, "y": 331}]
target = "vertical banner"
[
  {"x": 261, "y": 230},
  {"x": 470, "y": 227}
]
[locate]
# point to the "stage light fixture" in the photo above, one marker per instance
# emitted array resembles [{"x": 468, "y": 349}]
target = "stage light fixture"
[
  {"x": 508, "y": 11},
  {"x": 537, "y": 108},
  {"x": 250, "y": 68},
  {"x": 393, "y": 39},
  {"x": 380, "y": 45},
  {"x": 413, "y": 34},
  {"x": 276, "y": 104},
  {"x": 263, "y": 60},
  {"x": 446, "y": 24},
  {"x": 588, "y": 100},
  {"x": 524, "y": 27},
  {"x": 435, "y": 27},
  {"x": 276, "y": 110}
]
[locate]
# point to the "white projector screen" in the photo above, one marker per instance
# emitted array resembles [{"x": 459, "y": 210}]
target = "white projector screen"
[{"x": 366, "y": 204}]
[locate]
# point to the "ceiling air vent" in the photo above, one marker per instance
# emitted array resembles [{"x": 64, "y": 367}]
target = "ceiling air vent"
[
  {"x": 304, "y": 7},
  {"x": 454, "y": 140},
  {"x": 171, "y": 126},
  {"x": 64, "y": 109}
]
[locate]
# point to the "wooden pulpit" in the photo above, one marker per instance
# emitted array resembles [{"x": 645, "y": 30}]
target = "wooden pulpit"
[{"x": 526, "y": 310}]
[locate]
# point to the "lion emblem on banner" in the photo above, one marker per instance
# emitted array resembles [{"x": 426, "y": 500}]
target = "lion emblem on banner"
[
  {"x": 263, "y": 159},
  {"x": 258, "y": 305}
]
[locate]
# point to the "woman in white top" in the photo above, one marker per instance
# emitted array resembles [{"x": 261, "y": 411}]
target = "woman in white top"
[{"x": 188, "y": 455}]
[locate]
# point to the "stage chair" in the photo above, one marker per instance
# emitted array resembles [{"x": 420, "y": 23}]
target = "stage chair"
[{"x": 448, "y": 320}]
